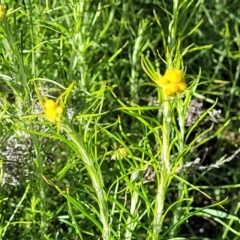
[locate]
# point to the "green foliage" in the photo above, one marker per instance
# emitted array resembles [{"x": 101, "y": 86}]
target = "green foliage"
[{"x": 122, "y": 160}]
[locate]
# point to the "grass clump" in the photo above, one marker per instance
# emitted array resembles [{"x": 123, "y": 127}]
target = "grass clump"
[{"x": 119, "y": 120}]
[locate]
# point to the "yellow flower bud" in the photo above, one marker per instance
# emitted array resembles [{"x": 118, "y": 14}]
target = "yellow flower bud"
[
  {"x": 51, "y": 114},
  {"x": 168, "y": 91},
  {"x": 59, "y": 110},
  {"x": 174, "y": 75},
  {"x": 173, "y": 87},
  {"x": 49, "y": 104},
  {"x": 162, "y": 81},
  {"x": 182, "y": 86}
]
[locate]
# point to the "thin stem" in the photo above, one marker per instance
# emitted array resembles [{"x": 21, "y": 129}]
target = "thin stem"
[
  {"x": 181, "y": 122},
  {"x": 95, "y": 175},
  {"x": 173, "y": 26},
  {"x": 164, "y": 169},
  {"x": 78, "y": 57},
  {"x": 18, "y": 206},
  {"x": 18, "y": 60},
  {"x": 131, "y": 225},
  {"x": 42, "y": 186},
  {"x": 134, "y": 73}
]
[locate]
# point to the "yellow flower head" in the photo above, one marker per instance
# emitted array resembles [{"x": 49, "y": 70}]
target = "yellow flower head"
[
  {"x": 172, "y": 82},
  {"x": 52, "y": 110}
]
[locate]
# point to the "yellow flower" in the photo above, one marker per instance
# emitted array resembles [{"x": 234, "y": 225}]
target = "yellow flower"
[
  {"x": 52, "y": 110},
  {"x": 2, "y": 12},
  {"x": 172, "y": 82}
]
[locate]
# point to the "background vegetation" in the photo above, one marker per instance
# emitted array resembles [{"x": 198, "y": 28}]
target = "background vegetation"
[{"x": 93, "y": 171}]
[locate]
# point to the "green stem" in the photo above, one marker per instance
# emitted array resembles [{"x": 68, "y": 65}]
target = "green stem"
[
  {"x": 18, "y": 60},
  {"x": 174, "y": 26},
  {"x": 134, "y": 73},
  {"x": 163, "y": 179},
  {"x": 131, "y": 225},
  {"x": 42, "y": 186},
  {"x": 181, "y": 122},
  {"x": 95, "y": 175},
  {"x": 78, "y": 57}
]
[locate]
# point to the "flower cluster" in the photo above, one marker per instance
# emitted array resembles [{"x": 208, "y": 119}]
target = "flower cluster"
[
  {"x": 52, "y": 110},
  {"x": 172, "y": 82}
]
